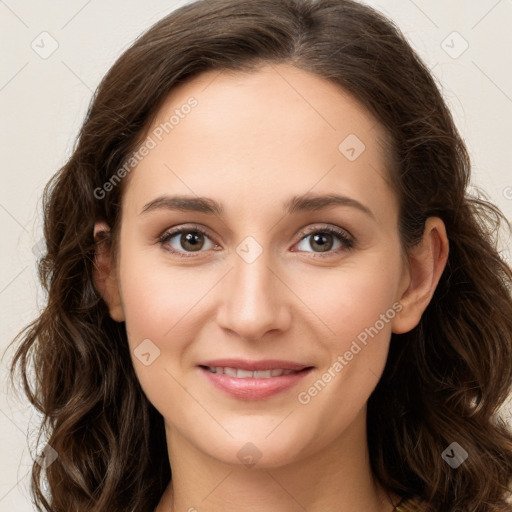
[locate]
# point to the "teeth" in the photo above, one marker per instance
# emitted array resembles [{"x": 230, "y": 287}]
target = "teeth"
[
  {"x": 245, "y": 374},
  {"x": 263, "y": 374}
]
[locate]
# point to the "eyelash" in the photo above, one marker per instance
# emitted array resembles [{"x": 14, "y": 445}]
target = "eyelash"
[{"x": 338, "y": 233}]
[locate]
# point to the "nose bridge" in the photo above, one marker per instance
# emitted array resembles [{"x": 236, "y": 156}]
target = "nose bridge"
[{"x": 253, "y": 300}]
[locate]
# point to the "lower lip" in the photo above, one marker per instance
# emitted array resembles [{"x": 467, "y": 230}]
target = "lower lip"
[{"x": 253, "y": 388}]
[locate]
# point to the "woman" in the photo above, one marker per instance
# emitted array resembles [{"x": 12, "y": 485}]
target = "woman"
[{"x": 264, "y": 273}]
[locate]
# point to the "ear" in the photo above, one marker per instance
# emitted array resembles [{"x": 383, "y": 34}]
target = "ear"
[
  {"x": 104, "y": 273},
  {"x": 427, "y": 261}
]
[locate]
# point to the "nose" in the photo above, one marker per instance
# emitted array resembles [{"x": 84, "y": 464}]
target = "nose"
[{"x": 255, "y": 300}]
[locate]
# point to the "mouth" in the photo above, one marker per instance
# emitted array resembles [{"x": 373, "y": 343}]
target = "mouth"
[
  {"x": 253, "y": 380},
  {"x": 239, "y": 373}
]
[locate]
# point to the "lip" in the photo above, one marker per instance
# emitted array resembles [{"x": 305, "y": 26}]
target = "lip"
[
  {"x": 254, "y": 388},
  {"x": 266, "y": 364}
]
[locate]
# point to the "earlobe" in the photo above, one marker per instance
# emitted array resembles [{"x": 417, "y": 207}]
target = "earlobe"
[
  {"x": 104, "y": 273},
  {"x": 427, "y": 261}
]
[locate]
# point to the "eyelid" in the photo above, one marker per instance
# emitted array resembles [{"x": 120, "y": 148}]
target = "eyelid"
[{"x": 326, "y": 228}]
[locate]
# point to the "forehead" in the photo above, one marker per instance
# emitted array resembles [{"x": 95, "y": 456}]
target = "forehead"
[{"x": 274, "y": 130}]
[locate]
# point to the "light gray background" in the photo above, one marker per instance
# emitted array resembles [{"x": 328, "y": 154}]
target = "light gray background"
[{"x": 44, "y": 100}]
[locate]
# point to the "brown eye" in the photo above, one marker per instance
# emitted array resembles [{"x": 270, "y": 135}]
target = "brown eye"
[
  {"x": 185, "y": 240},
  {"x": 325, "y": 240},
  {"x": 191, "y": 241}
]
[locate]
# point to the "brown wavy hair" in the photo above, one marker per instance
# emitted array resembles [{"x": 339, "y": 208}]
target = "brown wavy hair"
[{"x": 444, "y": 381}]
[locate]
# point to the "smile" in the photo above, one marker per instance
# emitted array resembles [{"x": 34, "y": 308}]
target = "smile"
[
  {"x": 250, "y": 380},
  {"x": 247, "y": 374}
]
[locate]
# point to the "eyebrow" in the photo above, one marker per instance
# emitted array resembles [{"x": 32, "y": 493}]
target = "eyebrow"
[{"x": 302, "y": 203}]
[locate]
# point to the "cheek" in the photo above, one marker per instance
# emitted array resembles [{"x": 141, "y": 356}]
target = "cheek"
[
  {"x": 360, "y": 319},
  {"x": 358, "y": 311},
  {"x": 160, "y": 322},
  {"x": 158, "y": 303},
  {"x": 356, "y": 297},
  {"x": 158, "y": 298},
  {"x": 357, "y": 305}
]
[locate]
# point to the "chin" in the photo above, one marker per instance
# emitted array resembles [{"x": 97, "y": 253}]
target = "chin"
[{"x": 256, "y": 452}]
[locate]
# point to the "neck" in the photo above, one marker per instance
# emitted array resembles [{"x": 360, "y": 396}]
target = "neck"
[{"x": 338, "y": 477}]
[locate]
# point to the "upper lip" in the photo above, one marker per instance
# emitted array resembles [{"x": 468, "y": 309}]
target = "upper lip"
[{"x": 245, "y": 364}]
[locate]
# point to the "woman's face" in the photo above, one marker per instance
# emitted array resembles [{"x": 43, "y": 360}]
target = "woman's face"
[{"x": 279, "y": 156}]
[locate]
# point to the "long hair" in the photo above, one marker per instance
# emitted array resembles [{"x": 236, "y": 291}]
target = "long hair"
[{"x": 444, "y": 380}]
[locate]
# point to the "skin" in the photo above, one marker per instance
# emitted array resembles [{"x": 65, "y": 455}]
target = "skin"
[{"x": 252, "y": 142}]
